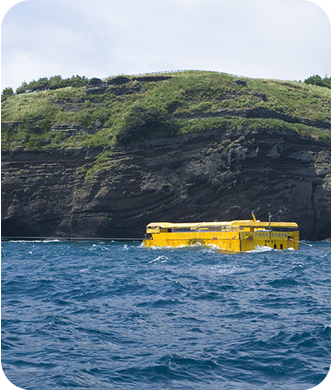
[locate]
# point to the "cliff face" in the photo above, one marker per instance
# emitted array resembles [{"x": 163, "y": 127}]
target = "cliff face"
[{"x": 196, "y": 177}]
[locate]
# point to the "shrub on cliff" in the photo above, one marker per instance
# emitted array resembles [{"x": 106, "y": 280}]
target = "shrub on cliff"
[
  {"x": 6, "y": 92},
  {"x": 142, "y": 124},
  {"x": 317, "y": 80},
  {"x": 54, "y": 82}
]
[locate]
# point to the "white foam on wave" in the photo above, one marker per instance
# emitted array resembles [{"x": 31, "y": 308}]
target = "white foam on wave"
[
  {"x": 221, "y": 269},
  {"x": 161, "y": 259},
  {"x": 202, "y": 247},
  {"x": 228, "y": 270},
  {"x": 101, "y": 246},
  {"x": 259, "y": 249},
  {"x": 210, "y": 248},
  {"x": 163, "y": 247},
  {"x": 24, "y": 241}
]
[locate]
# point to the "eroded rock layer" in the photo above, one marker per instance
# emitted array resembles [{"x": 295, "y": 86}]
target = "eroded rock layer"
[{"x": 198, "y": 177}]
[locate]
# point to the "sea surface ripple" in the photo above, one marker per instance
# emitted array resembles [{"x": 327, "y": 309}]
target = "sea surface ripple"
[{"x": 111, "y": 315}]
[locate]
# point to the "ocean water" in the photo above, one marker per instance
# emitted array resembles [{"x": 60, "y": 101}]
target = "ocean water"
[{"x": 112, "y": 315}]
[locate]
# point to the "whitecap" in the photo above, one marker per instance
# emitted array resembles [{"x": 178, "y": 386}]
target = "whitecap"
[
  {"x": 228, "y": 270},
  {"x": 29, "y": 241},
  {"x": 161, "y": 259},
  {"x": 210, "y": 248},
  {"x": 259, "y": 249}
]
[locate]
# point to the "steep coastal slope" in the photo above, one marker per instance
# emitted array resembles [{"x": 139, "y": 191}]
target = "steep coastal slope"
[{"x": 236, "y": 145}]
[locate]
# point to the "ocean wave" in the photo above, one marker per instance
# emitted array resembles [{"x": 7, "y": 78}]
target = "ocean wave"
[{"x": 163, "y": 318}]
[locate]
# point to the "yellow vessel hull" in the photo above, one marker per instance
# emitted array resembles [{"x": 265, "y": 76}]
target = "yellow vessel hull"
[{"x": 227, "y": 241}]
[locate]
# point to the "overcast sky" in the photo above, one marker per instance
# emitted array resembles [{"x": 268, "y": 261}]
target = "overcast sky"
[{"x": 283, "y": 39}]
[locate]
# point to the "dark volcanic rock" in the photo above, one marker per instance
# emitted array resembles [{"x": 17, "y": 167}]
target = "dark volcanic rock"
[
  {"x": 241, "y": 83},
  {"x": 126, "y": 90},
  {"x": 118, "y": 85},
  {"x": 75, "y": 129},
  {"x": 118, "y": 80},
  {"x": 152, "y": 78},
  {"x": 96, "y": 86},
  {"x": 11, "y": 125},
  {"x": 94, "y": 82},
  {"x": 197, "y": 177},
  {"x": 261, "y": 112}
]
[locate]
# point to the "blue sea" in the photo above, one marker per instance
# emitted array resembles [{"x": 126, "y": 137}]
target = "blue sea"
[{"x": 114, "y": 315}]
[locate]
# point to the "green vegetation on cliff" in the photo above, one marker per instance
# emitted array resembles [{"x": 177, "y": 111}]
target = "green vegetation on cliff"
[
  {"x": 317, "y": 80},
  {"x": 129, "y": 109},
  {"x": 145, "y": 123},
  {"x": 55, "y": 82}
]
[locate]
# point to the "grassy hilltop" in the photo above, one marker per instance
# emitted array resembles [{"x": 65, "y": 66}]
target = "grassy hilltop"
[{"x": 140, "y": 109}]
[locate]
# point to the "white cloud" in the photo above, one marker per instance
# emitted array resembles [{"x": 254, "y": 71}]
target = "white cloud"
[{"x": 286, "y": 39}]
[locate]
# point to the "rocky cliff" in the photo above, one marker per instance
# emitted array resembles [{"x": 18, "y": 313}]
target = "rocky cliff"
[{"x": 195, "y": 177}]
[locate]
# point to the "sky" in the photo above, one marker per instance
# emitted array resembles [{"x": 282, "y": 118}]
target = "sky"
[{"x": 281, "y": 39}]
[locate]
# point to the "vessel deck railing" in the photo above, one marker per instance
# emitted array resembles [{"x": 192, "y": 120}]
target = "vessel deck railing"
[{"x": 222, "y": 229}]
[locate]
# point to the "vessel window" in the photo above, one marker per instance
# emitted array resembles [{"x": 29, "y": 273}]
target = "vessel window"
[
  {"x": 275, "y": 246},
  {"x": 281, "y": 246},
  {"x": 214, "y": 229},
  {"x": 285, "y": 229}
]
